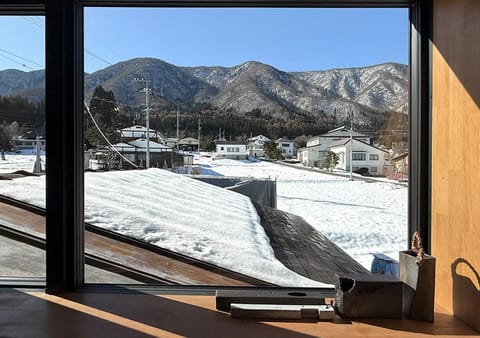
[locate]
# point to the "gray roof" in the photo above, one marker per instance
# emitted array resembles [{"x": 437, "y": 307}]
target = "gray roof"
[{"x": 230, "y": 142}]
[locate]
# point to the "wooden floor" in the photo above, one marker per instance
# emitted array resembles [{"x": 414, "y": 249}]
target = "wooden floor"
[{"x": 125, "y": 313}]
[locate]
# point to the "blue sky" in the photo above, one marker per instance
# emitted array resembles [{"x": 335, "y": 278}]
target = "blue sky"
[{"x": 288, "y": 39}]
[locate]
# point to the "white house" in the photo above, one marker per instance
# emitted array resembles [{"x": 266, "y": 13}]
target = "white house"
[
  {"x": 255, "y": 145},
  {"x": 236, "y": 150},
  {"x": 287, "y": 147},
  {"x": 310, "y": 156},
  {"x": 365, "y": 157},
  {"x": 314, "y": 154}
]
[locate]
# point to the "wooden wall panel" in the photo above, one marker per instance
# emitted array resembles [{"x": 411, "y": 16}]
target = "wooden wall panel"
[{"x": 456, "y": 156}]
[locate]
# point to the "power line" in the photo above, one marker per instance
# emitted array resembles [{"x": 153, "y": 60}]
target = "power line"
[
  {"x": 21, "y": 57},
  {"x": 20, "y": 63},
  {"x": 32, "y": 20},
  {"x": 89, "y": 52},
  {"x": 104, "y": 137}
]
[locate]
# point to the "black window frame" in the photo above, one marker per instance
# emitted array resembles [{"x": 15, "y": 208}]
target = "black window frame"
[{"x": 64, "y": 116}]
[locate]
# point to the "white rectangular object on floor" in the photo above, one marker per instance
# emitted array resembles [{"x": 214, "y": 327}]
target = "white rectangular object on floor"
[{"x": 278, "y": 311}]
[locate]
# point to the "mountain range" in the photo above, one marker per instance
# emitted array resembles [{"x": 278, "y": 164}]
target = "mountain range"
[{"x": 367, "y": 91}]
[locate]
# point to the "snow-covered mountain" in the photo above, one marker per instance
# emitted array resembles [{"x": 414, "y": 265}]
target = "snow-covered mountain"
[{"x": 366, "y": 91}]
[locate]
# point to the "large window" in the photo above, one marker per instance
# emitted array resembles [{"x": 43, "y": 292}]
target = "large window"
[
  {"x": 203, "y": 75},
  {"x": 22, "y": 146},
  {"x": 65, "y": 188}
]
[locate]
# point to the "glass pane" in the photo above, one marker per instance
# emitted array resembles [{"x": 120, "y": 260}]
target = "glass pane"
[
  {"x": 246, "y": 146},
  {"x": 22, "y": 146}
]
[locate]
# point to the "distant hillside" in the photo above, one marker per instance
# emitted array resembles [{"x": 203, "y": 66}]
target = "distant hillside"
[{"x": 251, "y": 89}]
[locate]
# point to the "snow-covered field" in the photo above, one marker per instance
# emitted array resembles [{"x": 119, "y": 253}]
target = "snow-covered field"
[
  {"x": 362, "y": 218},
  {"x": 222, "y": 227}
]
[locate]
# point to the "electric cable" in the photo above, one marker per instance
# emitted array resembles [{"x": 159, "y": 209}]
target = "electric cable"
[{"x": 104, "y": 137}]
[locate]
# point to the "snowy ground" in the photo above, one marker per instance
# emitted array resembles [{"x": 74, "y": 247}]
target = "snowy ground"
[
  {"x": 15, "y": 162},
  {"x": 175, "y": 212},
  {"x": 362, "y": 218}
]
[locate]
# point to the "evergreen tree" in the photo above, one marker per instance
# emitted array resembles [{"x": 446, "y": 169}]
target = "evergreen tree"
[
  {"x": 208, "y": 144},
  {"x": 271, "y": 151},
  {"x": 103, "y": 107},
  {"x": 5, "y": 138},
  {"x": 331, "y": 160}
]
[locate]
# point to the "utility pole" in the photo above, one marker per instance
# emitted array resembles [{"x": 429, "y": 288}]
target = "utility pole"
[
  {"x": 199, "y": 129},
  {"x": 178, "y": 130},
  {"x": 351, "y": 145},
  {"x": 147, "y": 119}
]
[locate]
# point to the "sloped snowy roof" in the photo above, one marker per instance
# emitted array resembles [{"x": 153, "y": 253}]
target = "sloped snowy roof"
[
  {"x": 141, "y": 145},
  {"x": 341, "y": 142},
  {"x": 344, "y": 141},
  {"x": 218, "y": 226},
  {"x": 342, "y": 133}
]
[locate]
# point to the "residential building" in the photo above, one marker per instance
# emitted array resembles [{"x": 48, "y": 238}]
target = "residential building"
[
  {"x": 287, "y": 147},
  {"x": 365, "y": 158},
  {"x": 135, "y": 151},
  {"x": 400, "y": 167},
  {"x": 255, "y": 145},
  {"x": 235, "y": 150},
  {"x": 188, "y": 144},
  {"x": 137, "y": 131},
  {"x": 314, "y": 154}
]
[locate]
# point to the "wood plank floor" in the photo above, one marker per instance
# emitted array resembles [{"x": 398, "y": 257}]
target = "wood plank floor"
[{"x": 125, "y": 313}]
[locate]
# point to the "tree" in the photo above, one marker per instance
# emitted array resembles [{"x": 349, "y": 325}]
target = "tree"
[
  {"x": 331, "y": 160},
  {"x": 271, "y": 151},
  {"x": 6, "y": 138},
  {"x": 208, "y": 144},
  {"x": 103, "y": 107}
]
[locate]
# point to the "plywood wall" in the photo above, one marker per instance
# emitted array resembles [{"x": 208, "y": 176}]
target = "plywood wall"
[{"x": 456, "y": 156}]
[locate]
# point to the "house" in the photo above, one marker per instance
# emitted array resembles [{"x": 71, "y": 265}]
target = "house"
[
  {"x": 365, "y": 158},
  {"x": 311, "y": 156},
  {"x": 287, "y": 147},
  {"x": 314, "y": 154},
  {"x": 400, "y": 167},
  {"x": 255, "y": 145},
  {"x": 235, "y": 150},
  {"x": 135, "y": 151},
  {"x": 188, "y": 144},
  {"x": 137, "y": 131}
]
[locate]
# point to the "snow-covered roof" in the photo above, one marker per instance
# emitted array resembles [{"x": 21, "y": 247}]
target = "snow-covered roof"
[
  {"x": 344, "y": 141},
  {"x": 188, "y": 140},
  {"x": 284, "y": 139},
  {"x": 399, "y": 156},
  {"x": 259, "y": 137},
  {"x": 141, "y": 145},
  {"x": 341, "y": 142},
  {"x": 122, "y": 145},
  {"x": 342, "y": 133},
  {"x": 150, "y": 205},
  {"x": 137, "y": 128}
]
